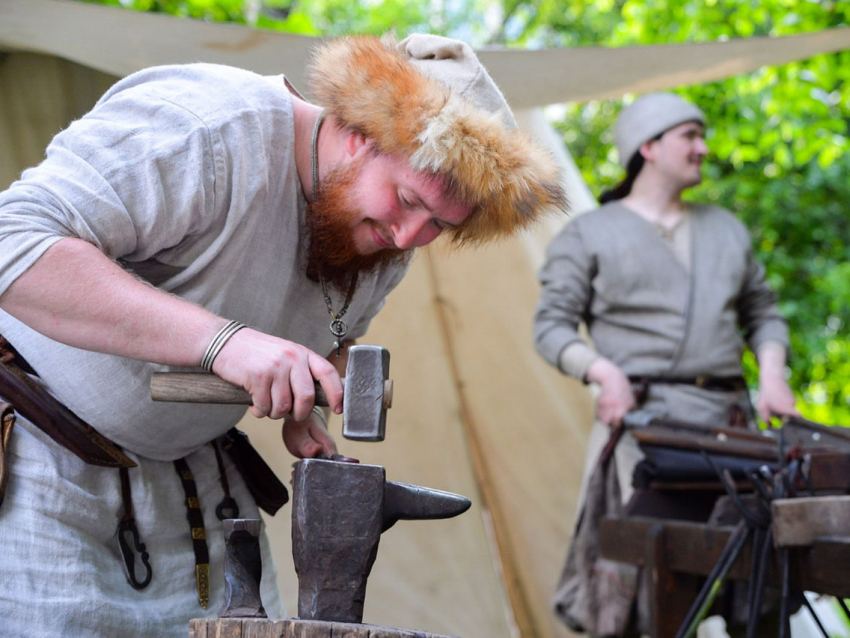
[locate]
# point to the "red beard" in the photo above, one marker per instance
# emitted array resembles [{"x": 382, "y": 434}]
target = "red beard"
[{"x": 331, "y": 253}]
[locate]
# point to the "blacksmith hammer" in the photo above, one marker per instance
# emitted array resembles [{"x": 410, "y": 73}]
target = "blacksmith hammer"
[{"x": 367, "y": 391}]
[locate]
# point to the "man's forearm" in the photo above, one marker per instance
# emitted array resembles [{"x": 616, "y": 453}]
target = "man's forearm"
[
  {"x": 771, "y": 358},
  {"x": 77, "y": 295}
]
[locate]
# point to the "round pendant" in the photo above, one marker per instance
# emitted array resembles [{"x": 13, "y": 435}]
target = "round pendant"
[{"x": 338, "y": 328}]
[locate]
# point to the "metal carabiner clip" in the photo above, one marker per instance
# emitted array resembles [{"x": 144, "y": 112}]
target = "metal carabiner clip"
[{"x": 129, "y": 552}]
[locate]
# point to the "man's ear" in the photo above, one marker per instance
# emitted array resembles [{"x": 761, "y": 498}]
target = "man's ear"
[
  {"x": 647, "y": 150},
  {"x": 356, "y": 143}
]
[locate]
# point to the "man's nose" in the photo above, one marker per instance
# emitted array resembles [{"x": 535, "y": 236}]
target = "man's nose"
[{"x": 413, "y": 231}]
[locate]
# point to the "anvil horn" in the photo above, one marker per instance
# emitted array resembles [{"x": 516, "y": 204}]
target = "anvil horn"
[{"x": 414, "y": 502}]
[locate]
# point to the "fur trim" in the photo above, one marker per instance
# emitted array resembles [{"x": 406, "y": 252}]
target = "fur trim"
[{"x": 370, "y": 86}]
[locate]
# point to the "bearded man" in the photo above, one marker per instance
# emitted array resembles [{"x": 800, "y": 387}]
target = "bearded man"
[{"x": 205, "y": 216}]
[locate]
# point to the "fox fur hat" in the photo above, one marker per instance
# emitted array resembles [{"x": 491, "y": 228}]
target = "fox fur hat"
[{"x": 429, "y": 99}]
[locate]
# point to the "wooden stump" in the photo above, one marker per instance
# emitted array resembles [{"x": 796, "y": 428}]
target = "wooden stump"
[{"x": 294, "y": 628}]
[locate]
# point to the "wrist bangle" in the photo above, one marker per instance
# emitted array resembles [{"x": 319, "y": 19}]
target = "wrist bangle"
[
  {"x": 319, "y": 412},
  {"x": 221, "y": 337}
]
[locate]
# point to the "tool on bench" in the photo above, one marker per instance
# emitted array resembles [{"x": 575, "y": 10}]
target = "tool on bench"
[
  {"x": 367, "y": 391},
  {"x": 243, "y": 569},
  {"x": 771, "y": 487}
]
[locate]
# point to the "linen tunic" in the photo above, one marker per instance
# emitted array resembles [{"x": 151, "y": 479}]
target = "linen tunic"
[{"x": 186, "y": 176}]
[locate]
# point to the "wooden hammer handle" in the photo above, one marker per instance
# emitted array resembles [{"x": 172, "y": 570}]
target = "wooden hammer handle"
[{"x": 201, "y": 387}]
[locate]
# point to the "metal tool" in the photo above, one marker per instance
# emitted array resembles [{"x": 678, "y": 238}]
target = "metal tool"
[
  {"x": 339, "y": 511},
  {"x": 243, "y": 569},
  {"x": 367, "y": 391}
]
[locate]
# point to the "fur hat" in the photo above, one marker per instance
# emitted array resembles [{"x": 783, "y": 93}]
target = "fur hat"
[
  {"x": 648, "y": 116},
  {"x": 429, "y": 98}
]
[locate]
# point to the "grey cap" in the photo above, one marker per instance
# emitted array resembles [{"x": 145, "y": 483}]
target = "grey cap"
[
  {"x": 454, "y": 64},
  {"x": 648, "y": 116}
]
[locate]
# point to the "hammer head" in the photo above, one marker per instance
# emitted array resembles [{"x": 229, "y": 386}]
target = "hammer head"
[{"x": 364, "y": 413}]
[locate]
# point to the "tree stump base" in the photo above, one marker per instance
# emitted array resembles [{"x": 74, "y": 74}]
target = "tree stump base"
[{"x": 294, "y": 628}]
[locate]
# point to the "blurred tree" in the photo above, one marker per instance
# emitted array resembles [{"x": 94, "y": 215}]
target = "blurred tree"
[{"x": 779, "y": 136}]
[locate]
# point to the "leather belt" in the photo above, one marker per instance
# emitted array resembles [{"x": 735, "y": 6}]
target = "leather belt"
[
  {"x": 704, "y": 381},
  {"x": 7, "y": 424},
  {"x": 37, "y": 405}
]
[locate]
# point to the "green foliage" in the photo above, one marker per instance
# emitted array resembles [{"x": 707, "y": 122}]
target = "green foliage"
[
  {"x": 312, "y": 17},
  {"x": 778, "y": 136},
  {"x": 213, "y": 10}
]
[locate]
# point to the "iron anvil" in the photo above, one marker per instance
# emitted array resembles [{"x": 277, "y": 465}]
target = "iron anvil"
[{"x": 339, "y": 511}]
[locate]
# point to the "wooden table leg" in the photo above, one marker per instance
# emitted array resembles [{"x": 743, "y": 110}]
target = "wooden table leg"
[{"x": 671, "y": 594}]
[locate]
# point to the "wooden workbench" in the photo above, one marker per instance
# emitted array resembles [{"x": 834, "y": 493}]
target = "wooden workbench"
[{"x": 676, "y": 554}]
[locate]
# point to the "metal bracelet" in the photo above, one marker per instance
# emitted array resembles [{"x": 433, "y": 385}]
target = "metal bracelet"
[{"x": 221, "y": 337}]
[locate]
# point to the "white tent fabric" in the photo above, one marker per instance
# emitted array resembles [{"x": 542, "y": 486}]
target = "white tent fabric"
[
  {"x": 476, "y": 411},
  {"x": 115, "y": 42}
]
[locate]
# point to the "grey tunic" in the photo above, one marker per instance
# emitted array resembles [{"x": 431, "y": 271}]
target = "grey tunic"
[
  {"x": 186, "y": 176},
  {"x": 644, "y": 311}
]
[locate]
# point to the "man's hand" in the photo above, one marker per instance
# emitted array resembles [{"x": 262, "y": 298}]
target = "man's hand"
[
  {"x": 616, "y": 397},
  {"x": 279, "y": 375},
  {"x": 307, "y": 439},
  {"x": 775, "y": 397}
]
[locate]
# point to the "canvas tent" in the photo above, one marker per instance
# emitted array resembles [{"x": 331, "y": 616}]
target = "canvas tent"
[{"x": 476, "y": 411}]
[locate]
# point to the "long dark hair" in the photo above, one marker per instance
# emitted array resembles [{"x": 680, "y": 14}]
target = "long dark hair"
[{"x": 624, "y": 187}]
